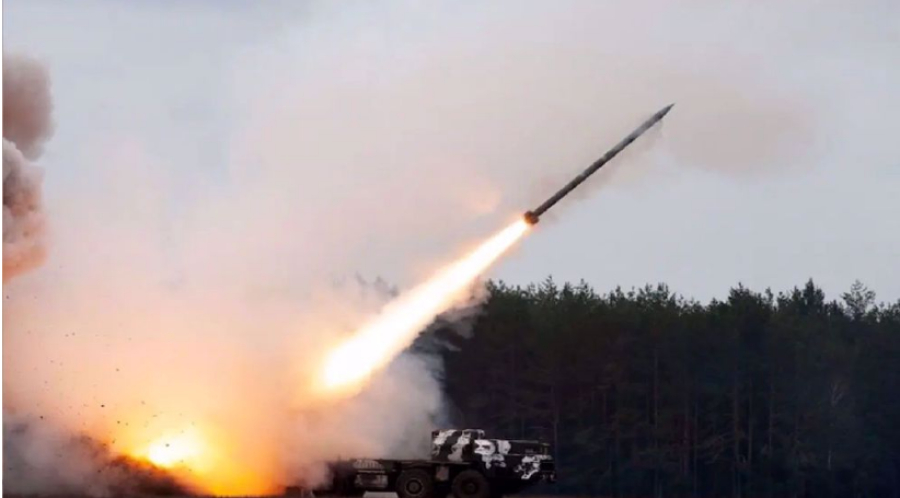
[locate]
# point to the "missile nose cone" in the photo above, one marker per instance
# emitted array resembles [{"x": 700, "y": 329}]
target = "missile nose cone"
[{"x": 666, "y": 109}]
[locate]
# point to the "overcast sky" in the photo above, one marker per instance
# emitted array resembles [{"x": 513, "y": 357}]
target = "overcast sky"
[{"x": 779, "y": 162}]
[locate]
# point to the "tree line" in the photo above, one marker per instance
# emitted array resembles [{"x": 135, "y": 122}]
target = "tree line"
[{"x": 646, "y": 394}]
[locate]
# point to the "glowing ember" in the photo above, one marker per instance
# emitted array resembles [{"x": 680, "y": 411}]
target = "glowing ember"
[{"x": 376, "y": 344}]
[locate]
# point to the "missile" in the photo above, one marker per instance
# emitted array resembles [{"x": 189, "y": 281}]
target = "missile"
[{"x": 534, "y": 215}]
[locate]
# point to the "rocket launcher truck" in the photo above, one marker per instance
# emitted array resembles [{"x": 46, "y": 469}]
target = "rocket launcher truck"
[{"x": 462, "y": 462}]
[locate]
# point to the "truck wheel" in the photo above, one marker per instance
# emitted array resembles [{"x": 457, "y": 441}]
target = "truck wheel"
[
  {"x": 415, "y": 483},
  {"x": 471, "y": 484}
]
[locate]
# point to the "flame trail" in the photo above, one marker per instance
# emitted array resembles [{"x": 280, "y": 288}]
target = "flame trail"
[{"x": 377, "y": 343}]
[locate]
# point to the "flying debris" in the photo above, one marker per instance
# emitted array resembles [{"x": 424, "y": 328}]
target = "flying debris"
[{"x": 534, "y": 215}]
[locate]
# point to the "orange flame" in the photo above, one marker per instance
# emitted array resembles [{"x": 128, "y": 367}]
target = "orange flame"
[
  {"x": 201, "y": 457},
  {"x": 371, "y": 348},
  {"x": 181, "y": 449}
]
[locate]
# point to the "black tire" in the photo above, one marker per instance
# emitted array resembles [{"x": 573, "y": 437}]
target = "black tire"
[
  {"x": 414, "y": 483},
  {"x": 471, "y": 484}
]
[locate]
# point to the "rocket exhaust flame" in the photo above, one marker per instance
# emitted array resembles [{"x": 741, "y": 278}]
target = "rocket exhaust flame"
[
  {"x": 348, "y": 366},
  {"x": 371, "y": 348}
]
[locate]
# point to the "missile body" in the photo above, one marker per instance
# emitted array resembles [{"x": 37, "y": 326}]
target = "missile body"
[{"x": 534, "y": 215}]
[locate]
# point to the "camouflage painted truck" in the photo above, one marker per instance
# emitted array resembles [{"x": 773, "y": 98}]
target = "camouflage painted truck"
[{"x": 463, "y": 462}]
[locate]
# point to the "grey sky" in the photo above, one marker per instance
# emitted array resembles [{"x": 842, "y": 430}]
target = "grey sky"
[{"x": 780, "y": 161}]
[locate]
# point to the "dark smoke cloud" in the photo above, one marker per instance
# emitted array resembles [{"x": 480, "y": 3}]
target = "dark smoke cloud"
[{"x": 27, "y": 107}]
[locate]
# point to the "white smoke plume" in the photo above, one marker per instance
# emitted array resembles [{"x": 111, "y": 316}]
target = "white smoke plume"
[
  {"x": 27, "y": 125},
  {"x": 368, "y": 425}
]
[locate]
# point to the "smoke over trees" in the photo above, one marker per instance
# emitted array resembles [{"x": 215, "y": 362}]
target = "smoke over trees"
[
  {"x": 645, "y": 393},
  {"x": 26, "y": 126}
]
